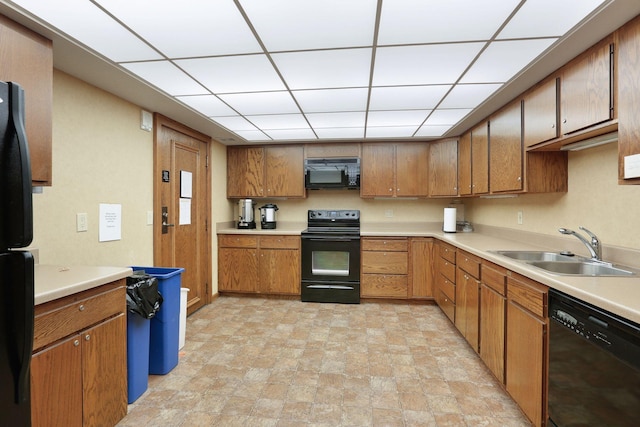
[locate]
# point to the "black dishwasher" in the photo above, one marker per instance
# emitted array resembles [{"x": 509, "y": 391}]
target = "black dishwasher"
[{"x": 594, "y": 365}]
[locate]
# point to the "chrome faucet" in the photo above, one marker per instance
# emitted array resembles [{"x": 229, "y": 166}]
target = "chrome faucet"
[{"x": 594, "y": 246}]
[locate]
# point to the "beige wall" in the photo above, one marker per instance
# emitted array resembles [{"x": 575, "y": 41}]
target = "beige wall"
[{"x": 100, "y": 155}]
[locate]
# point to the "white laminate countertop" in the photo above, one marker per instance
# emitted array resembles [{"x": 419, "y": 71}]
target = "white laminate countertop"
[
  {"x": 619, "y": 295},
  {"x": 283, "y": 228},
  {"x": 54, "y": 281}
]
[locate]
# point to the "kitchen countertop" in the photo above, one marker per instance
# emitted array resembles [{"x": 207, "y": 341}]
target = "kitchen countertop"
[
  {"x": 54, "y": 281},
  {"x": 619, "y": 295},
  {"x": 283, "y": 228}
]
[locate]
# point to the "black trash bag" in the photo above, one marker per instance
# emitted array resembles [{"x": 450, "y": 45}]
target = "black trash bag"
[{"x": 143, "y": 297}]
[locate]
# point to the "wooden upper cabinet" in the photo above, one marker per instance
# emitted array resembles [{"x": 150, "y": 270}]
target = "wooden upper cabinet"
[
  {"x": 586, "y": 88},
  {"x": 628, "y": 96},
  {"x": 505, "y": 161},
  {"x": 464, "y": 165},
  {"x": 27, "y": 59},
  {"x": 480, "y": 159},
  {"x": 443, "y": 167},
  {"x": 273, "y": 171},
  {"x": 540, "y": 113},
  {"x": 394, "y": 170}
]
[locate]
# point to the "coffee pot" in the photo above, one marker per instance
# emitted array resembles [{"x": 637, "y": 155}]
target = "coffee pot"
[
  {"x": 246, "y": 214},
  {"x": 268, "y": 216}
]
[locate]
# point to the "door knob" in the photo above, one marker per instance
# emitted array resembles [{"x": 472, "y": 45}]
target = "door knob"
[{"x": 165, "y": 218}]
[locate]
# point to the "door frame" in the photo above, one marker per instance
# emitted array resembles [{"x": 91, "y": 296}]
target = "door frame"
[{"x": 159, "y": 159}]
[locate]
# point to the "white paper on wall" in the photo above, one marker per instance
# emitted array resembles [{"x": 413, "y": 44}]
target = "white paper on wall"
[
  {"x": 185, "y": 212},
  {"x": 110, "y": 222},
  {"x": 186, "y": 184}
]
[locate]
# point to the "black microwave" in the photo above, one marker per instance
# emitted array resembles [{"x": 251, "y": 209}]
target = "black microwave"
[{"x": 332, "y": 173}]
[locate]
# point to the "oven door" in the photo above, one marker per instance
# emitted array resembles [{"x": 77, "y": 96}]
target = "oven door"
[{"x": 331, "y": 258}]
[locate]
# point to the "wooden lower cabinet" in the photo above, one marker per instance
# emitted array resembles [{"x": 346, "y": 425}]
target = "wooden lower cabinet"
[
  {"x": 445, "y": 283},
  {"x": 527, "y": 344},
  {"x": 384, "y": 270},
  {"x": 80, "y": 379},
  {"x": 422, "y": 274},
  {"x": 492, "y": 318},
  {"x": 468, "y": 297},
  {"x": 259, "y": 264}
]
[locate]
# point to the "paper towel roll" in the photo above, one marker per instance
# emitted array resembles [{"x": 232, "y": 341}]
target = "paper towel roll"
[{"x": 449, "y": 220}]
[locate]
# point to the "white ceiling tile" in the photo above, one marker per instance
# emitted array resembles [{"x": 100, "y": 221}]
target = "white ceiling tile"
[
  {"x": 166, "y": 77},
  {"x": 447, "y": 117},
  {"x": 229, "y": 74},
  {"x": 432, "y": 131},
  {"x": 279, "y": 121},
  {"x": 296, "y": 25},
  {"x": 337, "y": 120},
  {"x": 535, "y": 20},
  {"x": 431, "y": 21},
  {"x": 512, "y": 56},
  {"x": 406, "y": 97},
  {"x": 253, "y": 135},
  {"x": 397, "y": 118},
  {"x": 422, "y": 65},
  {"x": 111, "y": 40},
  {"x": 340, "y": 133},
  {"x": 208, "y": 105},
  {"x": 390, "y": 131},
  {"x": 261, "y": 102},
  {"x": 321, "y": 100},
  {"x": 291, "y": 134},
  {"x": 468, "y": 95},
  {"x": 197, "y": 28},
  {"x": 325, "y": 68},
  {"x": 235, "y": 123}
]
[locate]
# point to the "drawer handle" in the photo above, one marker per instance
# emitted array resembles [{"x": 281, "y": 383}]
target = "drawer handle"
[
  {"x": 81, "y": 308},
  {"x": 76, "y": 343},
  {"x": 87, "y": 337}
]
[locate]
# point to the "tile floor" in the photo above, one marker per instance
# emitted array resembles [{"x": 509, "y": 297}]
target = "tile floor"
[{"x": 274, "y": 362}]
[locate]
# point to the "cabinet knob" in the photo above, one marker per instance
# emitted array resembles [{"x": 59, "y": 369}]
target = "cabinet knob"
[
  {"x": 81, "y": 308},
  {"x": 398, "y": 190},
  {"x": 87, "y": 337},
  {"x": 519, "y": 178},
  {"x": 564, "y": 120},
  {"x": 76, "y": 343},
  {"x": 390, "y": 190},
  {"x": 553, "y": 126}
]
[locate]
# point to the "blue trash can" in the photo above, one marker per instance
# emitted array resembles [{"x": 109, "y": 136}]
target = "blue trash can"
[
  {"x": 138, "y": 329},
  {"x": 164, "y": 328}
]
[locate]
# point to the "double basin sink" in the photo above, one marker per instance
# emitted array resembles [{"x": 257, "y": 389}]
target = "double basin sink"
[{"x": 567, "y": 264}]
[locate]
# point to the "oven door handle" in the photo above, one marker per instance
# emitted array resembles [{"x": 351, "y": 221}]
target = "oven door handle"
[
  {"x": 339, "y": 287},
  {"x": 333, "y": 239}
]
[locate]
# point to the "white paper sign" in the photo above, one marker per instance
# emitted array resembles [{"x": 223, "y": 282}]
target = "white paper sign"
[
  {"x": 632, "y": 166},
  {"x": 185, "y": 212},
  {"x": 186, "y": 184},
  {"x": 110, "y": 222}
]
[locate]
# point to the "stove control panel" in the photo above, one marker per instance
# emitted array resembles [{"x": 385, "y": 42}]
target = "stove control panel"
[{"x": 334, "y": 215}]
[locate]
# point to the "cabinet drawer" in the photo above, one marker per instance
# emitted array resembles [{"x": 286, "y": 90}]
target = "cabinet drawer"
[
  {"x": 530, "y": 295},
  {"x": 494, "y": 277},
  {"x": 384, "y": 262},
  {"x": 384, "y": 285},
  {"x": 447, "y": 252},
  {"x": 447, "y": 269},
  {"x": 70, "y": 319},
  {"x": 446, "y": 305},
  {"x": 447, "y": 287},
  {"x": 395, "y": 245},
  {"x": 237, "y": 241},
  {"x": 468, "y": 263},
  {"x": 280, "y": 242}
]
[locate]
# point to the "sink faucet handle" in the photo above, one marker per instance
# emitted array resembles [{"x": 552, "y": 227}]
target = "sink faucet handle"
[
  {"x": 593, "y": 236},
  {"x": 595, "y": 242}
]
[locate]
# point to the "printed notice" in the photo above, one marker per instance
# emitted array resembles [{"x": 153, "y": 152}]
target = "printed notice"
[
  {"x": 186, "y": 184},
  {"x": 632, "y": 166},
  {"x": 185, "y": 212},
  {"x": 110, "y": 222}
]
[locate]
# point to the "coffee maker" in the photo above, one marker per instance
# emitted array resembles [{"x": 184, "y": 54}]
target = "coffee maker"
[
  {"x": 268, "y": 216},
  {"x": 246, "y": 214}
]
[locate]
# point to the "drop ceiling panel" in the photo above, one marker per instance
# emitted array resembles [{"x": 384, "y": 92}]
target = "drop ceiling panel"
[
  {"x": 468, "y": 95},
  {"x": 209, "y": 105},
  {"x": 261, "y": 102},
  {"x": 279, "y": 121},
  {"x": 397, "y": 118},
  {"x": 407, "y": 97},
  {"x": 444, "y": 117},
  {"x": 167, "y": 77},
  {"x": 235, "y": 123},
  {"x": 291, "y": 134},
  {"x": 337, "y": 120},
  {"x": 321, "y": 100}
]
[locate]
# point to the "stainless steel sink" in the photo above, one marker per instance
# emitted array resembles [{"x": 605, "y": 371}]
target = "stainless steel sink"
[
  {"x": 537, "y": 256},
  {"x": 581, "y": 268}
]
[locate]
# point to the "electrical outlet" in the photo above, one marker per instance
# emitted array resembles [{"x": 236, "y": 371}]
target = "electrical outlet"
[
  {"x": 82, "y": 223},
  {"x": 520, "y": 217},
  {"x": 388, "y": 213}
]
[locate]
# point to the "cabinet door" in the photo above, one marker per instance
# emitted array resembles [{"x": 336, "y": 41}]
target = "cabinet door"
[
  {"x": 237, "y": 270},
  {"x": 480, "y": 159},
  {"x": 245, "y": 172},
  {"x": 464, "y": 165},
  {"x": 467, "y": 307},
  {"x": 285, "y": 171},
  {"x": 586, "y": 87},
  {"x": 377, "y": 174},
  {"x": 422, "y": 273},
  {"x": 540, "y": 112},
  {"x": 525, "y": 361},
  {"x": 56, "y": 385},
  {"x": 279, "y": 271},
  {"x": 443, "y": 167},
  {"x": 492, "y": 330},
  {"x": 412, "y": 165},
  {"x": 104, "y": 372},
  {"x": 505, "y": 161},
  {"x": 27, "y": 59}
]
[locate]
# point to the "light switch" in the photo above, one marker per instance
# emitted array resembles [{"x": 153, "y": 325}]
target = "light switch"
[
  {"x": 82, "y": 223},
  {"x": 149, "y": 217}
]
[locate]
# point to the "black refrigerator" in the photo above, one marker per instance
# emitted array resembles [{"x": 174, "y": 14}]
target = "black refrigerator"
[{"x": 16, "y": 266}]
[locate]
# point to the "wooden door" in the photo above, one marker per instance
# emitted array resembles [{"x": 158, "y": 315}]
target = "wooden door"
[
  {"x": 492, "y": 330},
  {"x": 284, "y": 171},
  {"x": 238, "y": 270},
  {"x": 464, "y": 165},
  {"x": 480, "y": 159},
  {"x": 422, "y": 272},
  {"x": 279, "y": 271},
  {"x": 377, "y": 174},
  {"x": 540, "y": 112},
  {"x": 104, "y": 372},
  {"x": 505, "y": 158},
  {"x": 245, "y": 172},
  {"x": 412, "y": 167},
  {"x": 182, "y": 154},
  {"x": 56, "y": 385},
  {"x": 443, "y": 167}
]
